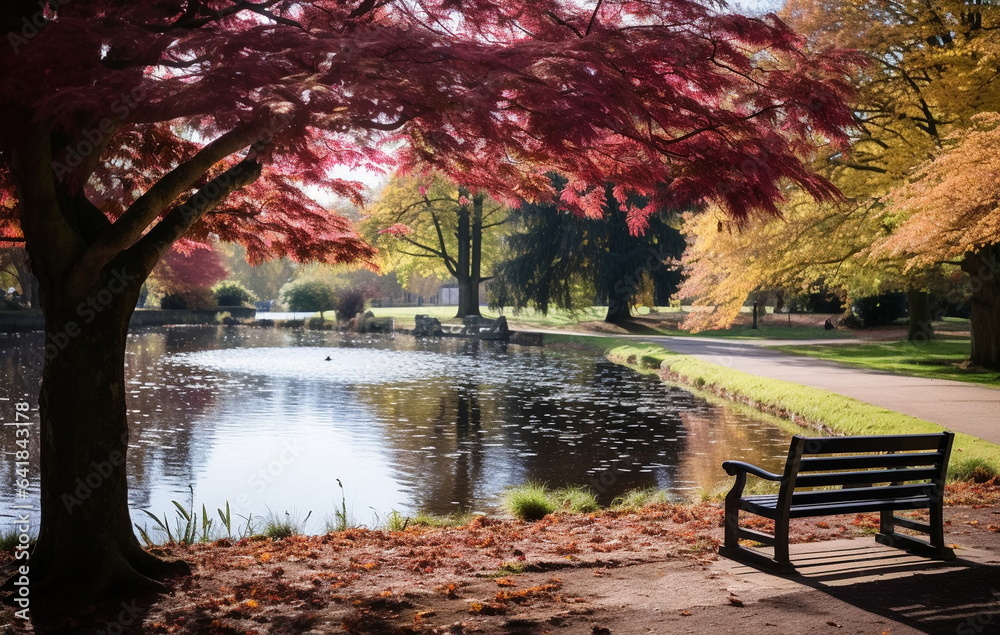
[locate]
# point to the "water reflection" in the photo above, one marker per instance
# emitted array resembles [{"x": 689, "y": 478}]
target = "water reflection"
[{"x": 261, "y": 418}]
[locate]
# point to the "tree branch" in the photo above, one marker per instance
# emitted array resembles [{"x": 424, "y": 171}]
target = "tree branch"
[
  {"x": 593, "y": 17},
  {"x": 564, "y": 23},
  {"x": 441, "y": 241},
  {"x": 148, "y": 250},
  {"x": 131, "y": 225}
]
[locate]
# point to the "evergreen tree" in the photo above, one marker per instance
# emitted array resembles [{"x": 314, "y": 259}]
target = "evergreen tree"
[{"x": 564, "y": 260}]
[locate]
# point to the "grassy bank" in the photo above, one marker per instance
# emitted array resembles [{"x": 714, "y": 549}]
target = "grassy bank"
[
  {"x": 802, "y": 405},
  {"x": 554, "y": 319},
  {"x": 937, "y": 359}
]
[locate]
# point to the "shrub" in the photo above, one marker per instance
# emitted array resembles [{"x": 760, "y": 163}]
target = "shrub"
[
  {"x": 278, "y": 527},
  {"x": 309, "y": 296},
  {"x": 232, "y": 293},
  {"x": 578, "y": 500},
  {"x": 351, "y": 302},
  {"x": 639, "y": 498}
]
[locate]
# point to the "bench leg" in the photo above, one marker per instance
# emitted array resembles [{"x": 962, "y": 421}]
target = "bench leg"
[
  {"x": 934, "y": 547},
  {"x": 731, "y": 546},
  {"x": 936, "y": 536},
  {"x": 781, "y": 544},
  {"x": 732, "y": 520}
]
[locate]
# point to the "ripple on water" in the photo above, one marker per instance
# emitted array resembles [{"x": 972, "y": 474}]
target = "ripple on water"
[{"x": 345, "y": 366}]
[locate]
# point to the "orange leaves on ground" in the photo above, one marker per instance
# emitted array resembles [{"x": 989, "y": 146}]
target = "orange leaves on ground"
[
  {"x": 567, "y": 548},
  {"x": 449, "y": 590},
  {"x": 491, "y": 608},
  {"x": 526, "y": 596},
  {"x": 365, "y": 566},
  {"x": 866, "y": 521}
]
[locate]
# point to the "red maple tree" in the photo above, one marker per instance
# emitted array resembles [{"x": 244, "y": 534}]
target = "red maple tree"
[
  {"x": 132, "y": 123},
  {"x": 186, "y": 273}
]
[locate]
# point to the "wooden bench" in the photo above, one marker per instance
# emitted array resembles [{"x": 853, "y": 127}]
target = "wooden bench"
[{"x": 845, "y": 475}]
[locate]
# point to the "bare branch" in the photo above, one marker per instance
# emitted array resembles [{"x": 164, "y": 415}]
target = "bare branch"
[{"x": 593, "y": 18}]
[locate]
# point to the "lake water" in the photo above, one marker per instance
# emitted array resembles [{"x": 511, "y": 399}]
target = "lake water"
[{"x": 260, "y": 418}]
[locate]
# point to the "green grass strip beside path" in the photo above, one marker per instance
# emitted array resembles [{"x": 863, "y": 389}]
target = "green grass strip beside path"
[
  {"x": 935, "y": 359},
  {"x": 805, "y": 406}
]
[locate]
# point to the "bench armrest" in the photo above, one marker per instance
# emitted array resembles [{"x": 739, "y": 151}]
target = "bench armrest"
[
  {"x": 739, "y": 469},
  {"x": 734, "y": 468}
]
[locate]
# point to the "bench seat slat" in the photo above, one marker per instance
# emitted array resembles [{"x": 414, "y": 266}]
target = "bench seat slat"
[
  {"x": 888, "y": 492},
  {"x": 768, "y": 509},
  {"x": 861, "y": 493},
  {"x": 865, "y": 477},
  {"x": 869, "y": 461}
]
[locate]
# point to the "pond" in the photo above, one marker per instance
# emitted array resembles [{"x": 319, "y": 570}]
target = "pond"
[{"x": 272, "y": 419}]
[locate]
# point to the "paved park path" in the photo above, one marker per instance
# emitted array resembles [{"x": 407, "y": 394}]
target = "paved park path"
[{"x": 957, "y": 406}]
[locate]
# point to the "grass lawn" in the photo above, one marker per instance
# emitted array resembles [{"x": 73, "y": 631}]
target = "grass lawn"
[
  {"x": 555, "y": 319},
  {"x": 937, "y": 359},
  {"x": 662, "y": 321}
]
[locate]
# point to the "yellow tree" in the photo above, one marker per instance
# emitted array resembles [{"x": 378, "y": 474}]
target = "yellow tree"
[
  {"x": 726, "y": 263},
  {"x": 930, "y": 71},
  {"x": 434, "y": 227}
]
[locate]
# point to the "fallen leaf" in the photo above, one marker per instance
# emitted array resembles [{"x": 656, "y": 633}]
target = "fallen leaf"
[
  {"x": 686, "y": 613},
  {"x": 832, "y": 623}
]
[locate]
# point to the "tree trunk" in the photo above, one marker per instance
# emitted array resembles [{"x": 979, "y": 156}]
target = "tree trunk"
[
  {"x": 756, "y": 304},
  {"x": 476, "y": 257},
  {"x": 86, "y": 547},
  {"x": 468, "y": 283},
  {"x": 619, "y": 308},
  {"x": 983, "y": 268},
  {"x": 919, "y": 309}
]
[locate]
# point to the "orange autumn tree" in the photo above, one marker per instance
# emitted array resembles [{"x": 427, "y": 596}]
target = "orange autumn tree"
[
  {"x": 952, "y": 214},
  {"x": 928, "y": 75}
]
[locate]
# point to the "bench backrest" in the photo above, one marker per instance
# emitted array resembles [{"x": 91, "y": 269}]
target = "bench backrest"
[{"x": 886, "y": 466}]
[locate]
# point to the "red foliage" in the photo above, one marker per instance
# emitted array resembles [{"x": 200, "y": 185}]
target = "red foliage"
[
  {"x": 190, "y": 265},
  {"x": 667, "y": 98}
]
